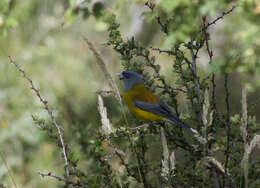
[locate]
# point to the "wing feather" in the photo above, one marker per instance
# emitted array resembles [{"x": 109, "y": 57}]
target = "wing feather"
[{"x": 159, "y": 109}]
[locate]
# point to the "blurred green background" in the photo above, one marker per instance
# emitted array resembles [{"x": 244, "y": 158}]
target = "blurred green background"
[{"x": 45, "y": 38}]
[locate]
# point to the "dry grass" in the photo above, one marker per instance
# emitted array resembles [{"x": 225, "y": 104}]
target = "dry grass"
[
  {"x": 168, "y": 162},
  {"x": 106, "y": 126},
  {"x": 108, "y": 76},
  {"x": 247, "y": 146}
]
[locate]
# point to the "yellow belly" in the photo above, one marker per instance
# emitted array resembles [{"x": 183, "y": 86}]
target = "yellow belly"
[{"x": 139, "y": 92}]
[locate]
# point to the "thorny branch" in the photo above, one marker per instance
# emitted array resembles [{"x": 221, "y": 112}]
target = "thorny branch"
[
  {"x": 192, "y": 65},
  {"x": 194, "y": 69},
  {"x": 218, "y": 18},
  {"x": 210, "y": 54},
  {"x": 164, "y": 27},
  {"x": 170, "y": 52},
  {"x": 213, "y": 94},
  {"x": 65, "y": 180},
  {"x": 213, "y": 98},
  {"x": 50, "y": 112}
]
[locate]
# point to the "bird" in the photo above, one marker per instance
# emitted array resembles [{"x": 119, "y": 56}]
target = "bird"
[{"x": 144, "y": 104}]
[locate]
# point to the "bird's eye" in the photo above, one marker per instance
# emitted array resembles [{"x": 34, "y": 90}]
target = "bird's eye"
[{"x": 126, "y": 75}]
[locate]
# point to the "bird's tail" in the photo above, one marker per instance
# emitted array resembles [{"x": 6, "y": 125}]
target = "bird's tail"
[{"x": 176, "y": 121}]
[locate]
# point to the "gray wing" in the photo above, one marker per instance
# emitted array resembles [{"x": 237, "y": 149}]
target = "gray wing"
[{"x": 160, "y": 109}]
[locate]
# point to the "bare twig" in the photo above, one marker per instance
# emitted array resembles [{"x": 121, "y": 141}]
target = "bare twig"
[
  {"x": 65, "y": 180},
  {"x": 218, "y": 18},
  {"x": 50, "y": 112},
  {"x": 169, "y": 52}
]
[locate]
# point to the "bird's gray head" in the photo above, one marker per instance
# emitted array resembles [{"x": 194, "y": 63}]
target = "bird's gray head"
[{"x": 130, "y": 79}]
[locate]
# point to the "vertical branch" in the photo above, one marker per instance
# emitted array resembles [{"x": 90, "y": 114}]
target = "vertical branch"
[
  {"x": 65, "y": 180},
  {"x": 210, "y": 54},
  {"x": 196, "y": 80},
  {"x": 194, "y": 69},
  {"x": 50, "y": 112},
  {"x": 227, "y": 152}
]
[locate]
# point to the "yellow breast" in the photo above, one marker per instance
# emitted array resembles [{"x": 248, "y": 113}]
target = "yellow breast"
[{"x": 139, "y": 92}]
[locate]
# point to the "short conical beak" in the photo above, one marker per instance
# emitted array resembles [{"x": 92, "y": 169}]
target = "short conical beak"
[{"x": 121, "y": 76}]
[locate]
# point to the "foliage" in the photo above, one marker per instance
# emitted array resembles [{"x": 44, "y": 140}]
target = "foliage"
[{"x": 192, "y": 65}]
